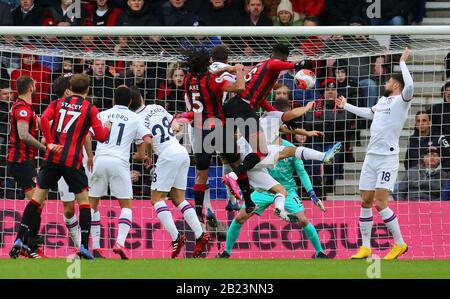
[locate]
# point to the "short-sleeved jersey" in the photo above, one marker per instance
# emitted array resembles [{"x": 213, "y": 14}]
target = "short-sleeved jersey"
[
  {"x": 72, "y": 117},
  {"x": 270, "y": 123},
  {"x": 261, "y": 80},
  {"x": 126, "y": 127},
  {"x": 390, "y": 114},
  {"x": 18, "y": 152},
  {"x": 203, "y": 96},
  {"x": 158, "y": 120}
]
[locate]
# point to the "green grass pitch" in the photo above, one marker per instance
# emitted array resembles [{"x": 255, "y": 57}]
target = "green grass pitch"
[{"x": 220, "y": 268}]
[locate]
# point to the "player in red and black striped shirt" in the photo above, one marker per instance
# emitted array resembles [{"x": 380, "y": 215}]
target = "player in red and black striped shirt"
[
  {"x": 259, "y": 83},
  {"x": 23, "y": 147},
  {"x": 72, "y": 117},
  {"x": 203, "y": 93}
]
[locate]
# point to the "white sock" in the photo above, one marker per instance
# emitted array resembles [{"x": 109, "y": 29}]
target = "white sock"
[
  {"x": 304, "y": 153},
  {"x": 166, "y": 219},
  {"x": 279, "y": 201},
  {"x": 95, "y": 229},
  {"x": 207, "y": 198},
  {"x": 391, "y": 221},
  {"x": 72, "y": 226},
  {"x": 191, "y": 218},
  {"x": 125, "y": 218},
  {"x": 365, "y": 225},
  {"x": 226, "y": 168}
]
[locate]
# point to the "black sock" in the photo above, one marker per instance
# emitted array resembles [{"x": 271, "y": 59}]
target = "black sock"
[
  {"x": 34, "y": 230},
  {"x": 27, "y": 225},
  {"x": 199, "y": 196},
  {"x": 85, "y": 224},
  {"x": 249, "y": 162},
  {"x": 244, "y": 185}
]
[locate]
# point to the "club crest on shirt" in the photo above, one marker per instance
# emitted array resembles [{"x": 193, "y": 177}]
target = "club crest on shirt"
[{"x": 23, "y": 113}]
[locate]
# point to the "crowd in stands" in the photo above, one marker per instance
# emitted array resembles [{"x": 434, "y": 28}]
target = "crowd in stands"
[{"x": 360, "y": 79}]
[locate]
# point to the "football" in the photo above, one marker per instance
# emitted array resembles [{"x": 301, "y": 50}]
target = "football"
[{"x": 305, "y": 79}]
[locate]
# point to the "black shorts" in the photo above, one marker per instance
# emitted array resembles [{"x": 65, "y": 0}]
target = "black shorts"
[
  {"x": 50, "y": 174},
  {"x": 207, "y": 142},
  {"x": 245, "y": 117},
  {"x": 24, "y": 174}
]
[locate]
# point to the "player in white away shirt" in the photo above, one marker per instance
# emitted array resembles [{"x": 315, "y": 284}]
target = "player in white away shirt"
[
  {"x": 380, "y": 168},
  {"x": 170, "y": 174},
  {"x": 112, "y": 166}
]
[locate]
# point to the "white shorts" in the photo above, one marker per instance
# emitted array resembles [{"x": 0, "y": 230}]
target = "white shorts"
[
  {"x": 112, "y": 172},
  {"x": 171, "y": 169},
  {"x": 63, "y": 188},
  {"x": 379, "y": 172},
  {"x": 269, "y": 161},
  {"x": 261, "y": 180}
]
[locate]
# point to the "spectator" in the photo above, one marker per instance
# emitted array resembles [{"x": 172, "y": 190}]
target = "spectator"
[
  {"x": 28, "y": 14},
  {"x": 137, "y": 75},
  {"x": 13, "y": 4},
  {"x": 176, "y": 13},
  {"x": 300, "y": 96},
  {"x": 418, "y": 12},
  {"x": 446, "y": 192},
  {"x": 102, "y": 84},
  {"x": 347, "y": 87},
  {"x": 138, "y": 13},
  {"x": 40, "y": 74},
  {"x": 286, "y": 16},
  {"x": 393, "y": 12},
  {"x": 64, "y": 16},
  {"x": 440, "y": 114},
  {"x": 4, "y": 76},
  {"x": 51, "y": 42},
  {"x": 334, "y": 123},
  {"x": 425, "y": 181},
  {"x": 105, "y": 14},
  {"x": 255, "y": 16},
  {"x": 310, "y": 45},
  {"x": 6, "y": 99},
  {"x": 171, "y": 91},
  {"x": 420, "y": 140},
  {"x": 219, "y": 13},
  {"x": 340, "y": 12},
  {"x": 6, "y": 18},
  {"x": 310, "y": 8}
]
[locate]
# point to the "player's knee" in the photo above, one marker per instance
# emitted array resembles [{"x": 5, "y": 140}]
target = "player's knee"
[
  {"x": 303, "y": 221},
  {"x": 201, "y": 176}
]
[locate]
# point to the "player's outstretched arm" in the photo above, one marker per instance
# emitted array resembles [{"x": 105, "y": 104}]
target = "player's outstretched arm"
[
  {"x": 297, "y": 112},
  {"x": 341, "y": 102},
  {"x": 101, "y": 132},
  {"x": 408, "y": 89}
]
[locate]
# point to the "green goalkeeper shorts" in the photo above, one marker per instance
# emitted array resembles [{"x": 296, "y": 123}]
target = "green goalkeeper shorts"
[{"x": 263, "y": 200}]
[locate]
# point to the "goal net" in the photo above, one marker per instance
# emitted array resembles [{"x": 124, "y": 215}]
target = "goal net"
[{"x": 351, "y": 61}]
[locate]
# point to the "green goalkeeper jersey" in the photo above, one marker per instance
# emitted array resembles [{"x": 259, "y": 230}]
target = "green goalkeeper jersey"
[{"x": 283, "y": 172}]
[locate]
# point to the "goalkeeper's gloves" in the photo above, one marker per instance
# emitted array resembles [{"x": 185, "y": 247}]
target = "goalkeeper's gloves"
[
  {"x": 316, "y": 200},
  {"x": 304, "y": 64}
]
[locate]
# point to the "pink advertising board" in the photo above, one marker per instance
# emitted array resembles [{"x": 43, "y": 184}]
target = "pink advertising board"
[{"x": 425, "y": 226}]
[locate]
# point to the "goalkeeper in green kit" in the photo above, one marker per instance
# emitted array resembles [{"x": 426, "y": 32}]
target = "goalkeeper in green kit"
[{"x": 283, "y": 172}]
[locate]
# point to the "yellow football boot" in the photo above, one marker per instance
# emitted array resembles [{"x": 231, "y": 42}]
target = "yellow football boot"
[
  {"x": 364, "y": 252},
  {"x": 396, "y": 251}
]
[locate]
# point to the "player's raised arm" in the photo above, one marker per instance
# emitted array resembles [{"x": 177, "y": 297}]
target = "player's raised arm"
[
  {"x": 341, "y": 102},
  {"x": 408, "y": 89}
]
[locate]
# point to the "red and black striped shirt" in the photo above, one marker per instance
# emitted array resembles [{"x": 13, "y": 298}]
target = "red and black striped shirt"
[
  {"x": 72, "y": 117},
  {"x": 260, "y": 81},
  {"x": 19, "y": 152},
  {"x": 204, "y": 96}
]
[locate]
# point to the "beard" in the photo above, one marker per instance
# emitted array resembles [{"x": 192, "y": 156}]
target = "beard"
[
  {"x": 387, "y": 92},
  {"x": 33, "y": 94}
]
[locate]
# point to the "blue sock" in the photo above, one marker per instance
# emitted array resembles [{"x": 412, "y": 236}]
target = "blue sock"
[
  {"x": 233, "y": 233},
  {"x": 312, "y": 235}
]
